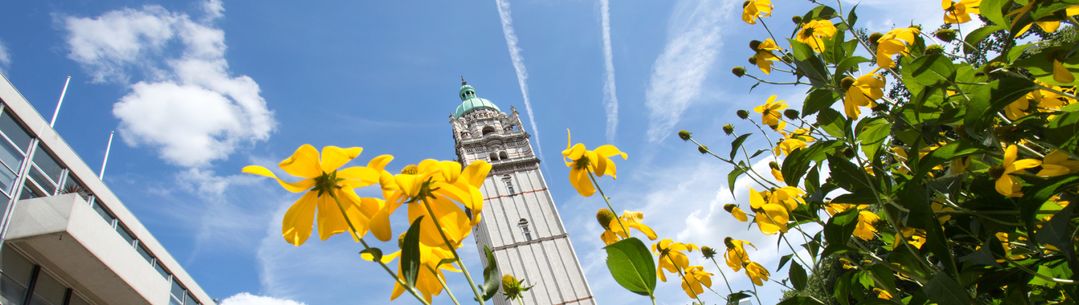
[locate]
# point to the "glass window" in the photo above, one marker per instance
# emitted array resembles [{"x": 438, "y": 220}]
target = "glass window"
[
  {"x": 104, "y": 213},
  {"x": 47, "y": 187},
  {"x": 14, "y": 131},
  {"x": 145, "y": 253},
  {"x": 177, "y": 290},
  {"x": 190, "y": 299},
  {"x": 161, "y": 269},
  {"x": 48, "y": 291},
  {"x": 77, "y": 300},
  {"x": 48, "y": 165},
  {"x": 173, "y": 301},
  {"x": 14, "y": 277},
  {"x": 125, "y": 234},
  {"x": 7, "y": 179},
  {"x": 29, "y": 190},
  {"x": 72, "y": 185},
  {"x": 10, "y": 156}
]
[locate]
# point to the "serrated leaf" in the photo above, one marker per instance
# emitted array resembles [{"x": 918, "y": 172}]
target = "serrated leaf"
[
  {"x": 797, "y": 163},
  {"x": 632, "y": 266},
  {"x": 838, "y": 230},
  {"x": 410, "y": 253},
  {"x": 1002, "y": 91}
]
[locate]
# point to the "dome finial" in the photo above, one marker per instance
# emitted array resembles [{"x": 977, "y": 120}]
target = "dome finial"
[{"x": 463, "y": 81}]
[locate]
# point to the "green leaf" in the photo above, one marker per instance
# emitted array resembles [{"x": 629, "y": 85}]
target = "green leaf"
[
  {"x": 799, "y": 300},
  {"x": 810, "y": 64},
  {"x": 1040, "y": 64},
  {"x": 993, "y": 10},
  {"x": 1037, "y": 195},
  {"x": 849, "y": 63},
  {"x": 931, "y": 70},
  {"x": 798, "y": 276},
  {"x": 737, "y": 144},
  {"x": 832, "y": 122},
  {"x": 839, "y": 230},
  {"x": 732, "y": 177},
  {"x": 975, "y": 37},
  {"x": 946, "y": 291},
  {"x": 797, "y": 163},
  {"x": 410, "y": 253},
  {"x": 491, "y": 281},
  {"x": 632, "y": 266},
  {"x": 849, "y": 176},
  {"x": 944, "y": 154},
  {"x": 818, "y": 99},
  {"x": 852, "y": 18},
  {"x": 820, "y": 12},
  {"x": 1063, "y": 130},
  {"x": 841, "y": 292},
  {"x": 1002, "y": 91},
  {"x": 783, "y": 260},
  {"x": 871, "y": 134}
]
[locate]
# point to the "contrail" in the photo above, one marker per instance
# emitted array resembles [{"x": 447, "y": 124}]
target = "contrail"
[
  {"x": 518, "y": 65},
  {"x": 610, "y": 95}
]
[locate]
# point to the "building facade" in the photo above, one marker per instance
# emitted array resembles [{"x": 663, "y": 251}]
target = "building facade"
[
  {"x": 520, "y": 221},
  {"x": 67, "y": 239}
]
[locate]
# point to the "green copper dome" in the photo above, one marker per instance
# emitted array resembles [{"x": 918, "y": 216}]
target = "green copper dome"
[{"x": 471, "y": 102}]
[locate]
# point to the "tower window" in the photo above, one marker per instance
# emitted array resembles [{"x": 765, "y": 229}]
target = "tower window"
[
  {"x": 494, "y": 157},
  {"x": 523, "y": 224},
  {"x": 487, "y": 130},
  {"x": 503, "y": 155},
  {"x": 509, "y": 184}
]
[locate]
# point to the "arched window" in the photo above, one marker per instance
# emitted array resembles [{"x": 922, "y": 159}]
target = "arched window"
[
  {"x": 494, "y": 157},
  {"x": 488, "y": 130},
  {"x": 523, "y": 224},
  {"x": 509, "y": 184},
  {"x": 503, "y": 155}
]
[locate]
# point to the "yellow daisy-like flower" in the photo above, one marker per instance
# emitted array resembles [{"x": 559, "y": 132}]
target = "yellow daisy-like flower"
[
  {"x": 324, "y": 186},
  {"x": 736, "y": 212},
  {"x": 428, "y": 280},
  {"x": 763, "y": 56},
  {"x": 788, "y": 196},
  {"x": 814, "y": 34},
  {"x": 671, "y": 256},
  {"x": 440, "y": 185},
  {"x": 771, "y": 217},
  {"x": 736, "y": 255},
  {"x": 793, "y": 141},
  {"x": 894, "y": 42},
  {"x": 613, "y": 232},
  {"x": 752, "y": 9},
  {"x": 863, "y": 92},
  {"x": 1058, "y": 163},
  {"x": 757, "y": 273},
  {"x": 959, "y": 12},
  {"x": 696, "y": 279},
  {"x": 582, "y": 162},
  {"x": 1006, "y": 184},
  {"x": 866, "y": 229},
  {"x": 776, "y": 173},
  {"x": 772, "y": 112}
]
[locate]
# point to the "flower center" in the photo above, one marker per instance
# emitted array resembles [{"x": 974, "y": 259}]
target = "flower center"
[
  {"x": 326, "y": 183},
  {"x": 582, "y": 163}
]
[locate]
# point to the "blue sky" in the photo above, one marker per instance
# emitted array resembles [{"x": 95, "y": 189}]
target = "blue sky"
[{"x": 197, "y": 90}]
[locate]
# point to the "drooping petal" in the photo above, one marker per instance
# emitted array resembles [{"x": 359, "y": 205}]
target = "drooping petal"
[
  {"x": 646, "y": 230},
  {"x": 295, "y": 187},
  {"x": 330, "y": 220},
  {"x": 1008, "y": 186},
  {"x": 1061, "y": 73},
  {"x": 580, "y": 181},
  {"x": 476, "y": 172},
  {"x": 379, "y": 163},
  {"x": 303, "y": 163},
  {"x": 334, "y": 157},
  {"x": 609, "y": 150},
  {"x": 297, "y": 224},
  {"x": 451, "y": 170},
  {"x": 357, "y": 176},
  {"x": 1025, "y": 164}
]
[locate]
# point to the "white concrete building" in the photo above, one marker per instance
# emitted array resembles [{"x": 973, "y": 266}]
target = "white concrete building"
[
  {"x": 67, "y": 239},
  {"x": 520, "y": 221}
]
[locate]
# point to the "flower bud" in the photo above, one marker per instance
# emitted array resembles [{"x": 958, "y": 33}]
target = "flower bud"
[
  {"x": 742, "y": 114},
  {"x": 738, "y": 71},
  {"x": 708, "y": 252},
  {"x": 946, "y": 35},
  {"x": 752, "y": 60},
  {"x": 604, "y": 216},
  {"x": 508, "y": 281},
  {"x": 728, "y": 129},
  {"x": 754, "y": 44},
  {"x": 729, "y": 242},
  {"x": 934, "y": 49},
  {"x": 791, "y": 114},
  {"x": 703, "y": 149},
  {"x": 729, "y": 207},
  {"x": 846, "y": 82},
  {"x": 773, "y": 165},
  {"x": 874, "y": 37},
  {"x": 685, "y": 135},
  {"x": 797, "y": 20}
]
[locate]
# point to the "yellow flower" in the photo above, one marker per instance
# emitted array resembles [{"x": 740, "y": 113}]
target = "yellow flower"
[
  {"x": 613, "y": 232},
  {"x": 672, "y": 256},
  {"x": 757, "y": 273},
  {"x": 696, "y": 279},
  {"x": 914, "y": 236},
  {"x": 764, "y": 57},
  {"x": 753, "y": 9},
  {"x": 736, "y": 212},
  {"x": 865, "y": 90},
  {"x": 792, "y": 141},
  {"x": 1021, "y": 106},
  {"x": 959, "y": 12},
  {"x": 582, "y": 161},
  {"x": 1048, "y": 25},
  {"x": 323, "y": 183},
  {"x": 892, "y": 43},
  {"x": 776, "y": 173},
  {"x": 441, "y": 185},
  {"x": 1057, "y": 163},
  {"x": 865, "y": 228},
  {"x": 771, "y": 217},
  {"x": 814, "y": 34},
  {"x": 736, "y": 255},
  {"x": 772, "y": 112},
  {"x": 428, "y": 280},
  {"x": 1007, "y": 185},
  {"x": 790, "y": 197},
  {"x": 1061, "y": 73},
  {"x": 881, "y": 293}
]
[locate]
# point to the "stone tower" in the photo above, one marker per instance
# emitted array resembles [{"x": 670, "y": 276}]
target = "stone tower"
[{"x": 520, "y": 221}]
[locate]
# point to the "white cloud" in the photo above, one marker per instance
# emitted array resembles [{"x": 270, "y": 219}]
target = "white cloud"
[
  {"x": 245, "y": 298},
  {"x": 5, "y": 57},
  {"x": 694, "y": 38},
  {"x": 518, "y": 65},
  {"x": 610, "y": 94},
  {"x": 186, "y": 104}
]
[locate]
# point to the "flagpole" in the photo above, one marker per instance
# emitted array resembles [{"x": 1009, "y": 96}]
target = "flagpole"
[
  {"x": 60, "y": 102},
  {"x": 101, "y": 175}
]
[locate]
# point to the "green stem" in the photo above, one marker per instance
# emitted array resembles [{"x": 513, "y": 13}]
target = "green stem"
[
  {"x": 793, "y": 252},
  {"x": 453, "y": 249},
  {"x": 352, "y": 229},
  {"x": 683, "y": 275},
  {"x": 608, "y": 201},
  {"x": 723, "y": 274},
  {"x": 444, "y": 286},
  {"x": 755, "y": 294}
]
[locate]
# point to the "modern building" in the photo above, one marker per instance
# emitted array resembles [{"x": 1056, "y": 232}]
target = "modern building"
[
  {"x": 67, "y": 239},
  {"x": 520, "y": 222}
]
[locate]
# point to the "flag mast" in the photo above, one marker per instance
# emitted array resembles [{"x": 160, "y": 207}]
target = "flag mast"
[{"x": 60, "y": 102}]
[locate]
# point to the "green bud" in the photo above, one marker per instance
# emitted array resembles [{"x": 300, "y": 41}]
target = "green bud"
[
  {"x": 874, "y": 37},
  {"x": 702, "y": 149},
  {"x": 738, "y": 71},
  {"x": 605, "y": 216},
  {"x": 729, "y": 242},
  {"x": 752, "y": 60},
  {"x": 743, "y": 114},
  {"x": 934, "y": 49},
  {"x": 685, "y": 135},
  {"x": 754, "y": 44},
  {"x": 846, "y": 82},
  {"x": 728, "y": 129},
  {"x": 708, "y": 252},
  {"x": 773, "y": 165},
  {"x": 796, "y": 19},
  {"x": 946, "y": 35},
  {"x": 791, "y": 114}
]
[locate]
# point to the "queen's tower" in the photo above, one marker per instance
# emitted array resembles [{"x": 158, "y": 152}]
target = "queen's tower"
[{"x": 520, "y": 221}]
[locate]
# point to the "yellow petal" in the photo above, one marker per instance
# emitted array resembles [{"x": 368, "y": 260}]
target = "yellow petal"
[
  {"x": 303, "y": 163},
  {"x": 386, "y": 258},
  {"x": 334, "y": 157},
  {"x": 580, "y": 181},
  {"x": 609, "y": 150},
  {"x": 450, "y": 170},
  {"x": 379, "y": 163},
  {"x": 330, "y": 220},
  {"x": 357, "y": 176},
  {"x": 648, "y": 232},
  {"x": 295, "y": 187},
  {"x": 1061, "y": 74},
  {"x": 476, "y": 172},
  {"x": 1006, "y": 185},
  {"x": 1025, "y": 164},
  {"x": 298, "y": 221}
]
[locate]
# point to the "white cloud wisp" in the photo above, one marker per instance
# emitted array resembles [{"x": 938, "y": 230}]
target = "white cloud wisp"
[
  {"x": 518, "y": 65},
  {"x": 245, "y": 298},
  {"x": 610, "y": 94},
  {"x": 5, "y": 58}
]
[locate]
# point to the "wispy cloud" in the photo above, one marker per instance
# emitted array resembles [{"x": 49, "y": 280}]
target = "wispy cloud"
[
  {"x": 187, "y": 104},
  {"x": 694, "y": 38},
  {"x": 518, "y": 65},
  {"x": 610, "y": 94},
  {"x": 245, "y": 298},
  {"x": 5, "y": 58}
]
